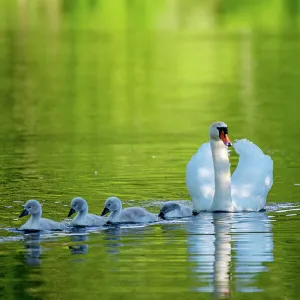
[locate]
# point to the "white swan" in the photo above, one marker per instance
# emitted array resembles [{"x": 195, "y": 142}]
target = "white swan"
[
  {"x": 127, "y": 215},
  {"x": 208, "y": 175},
  {"x": 33, "y": 208},
  {"x": 83, "y": 218},
  {"x": 173, "y": 209}
]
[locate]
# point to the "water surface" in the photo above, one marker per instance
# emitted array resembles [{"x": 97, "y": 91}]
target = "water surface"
[{"x": 94, "y": 113}]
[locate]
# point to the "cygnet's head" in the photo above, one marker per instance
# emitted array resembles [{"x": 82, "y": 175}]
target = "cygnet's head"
[
  {"x": 77, "y": 204},
  {"x": 111, "y": 204},
  {"x": 168, "y": 207},
  {"x": 219, "y": 131},
  {"x": 32, "y": 207}
]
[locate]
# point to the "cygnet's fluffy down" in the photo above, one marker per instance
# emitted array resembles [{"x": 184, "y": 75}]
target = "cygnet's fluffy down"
[
  {"x": 33, "y": 208},
  {"x": 127, "y": 215},
  {"x": 83, "y": 218},
  {"x": 173, "y": 209}
]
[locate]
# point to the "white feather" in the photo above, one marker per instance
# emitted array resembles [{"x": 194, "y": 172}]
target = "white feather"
[
  {"x": 253, "y": 177},
  {"x": 200, "y": 178},
  {"x": 250, "y": 183}
]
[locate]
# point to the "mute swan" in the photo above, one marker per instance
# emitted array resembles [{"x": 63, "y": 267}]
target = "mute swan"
[
  {"x": 83, "y": 218},
  {"x": 127, "y": 215},
  {"x": 208, "y": 175},
  {"x": 33, "y": 208},
  {"x": 173, "y": 209}
]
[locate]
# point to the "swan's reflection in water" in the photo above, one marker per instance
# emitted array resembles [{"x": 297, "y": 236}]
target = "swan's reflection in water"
[
  {"x": 229, "y": 247},
  {"x": 253, "y": 247}
]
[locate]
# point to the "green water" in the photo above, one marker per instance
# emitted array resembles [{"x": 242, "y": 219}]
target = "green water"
[{"x": 94, "y": 105}]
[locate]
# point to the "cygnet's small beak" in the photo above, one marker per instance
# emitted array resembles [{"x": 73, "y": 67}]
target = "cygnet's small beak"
[
  {"x": 23, "y": 213},
  {"x": 224, "y": 137},
  {"x": 71, "y": 212},
  {"x": 161, "y": 215},
  {"x": 105, "y": 211}
]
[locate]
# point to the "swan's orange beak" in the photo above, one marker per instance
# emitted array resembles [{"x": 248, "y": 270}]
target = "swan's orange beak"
[{"x": 224, "y": 137}]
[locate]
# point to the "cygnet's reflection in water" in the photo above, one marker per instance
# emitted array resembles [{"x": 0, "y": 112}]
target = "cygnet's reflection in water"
[
  {"x": 112, "y": 237},
  {"x": 117, "y": 236},
  {"x": 33, "y": 249},
  {"x": 226, "y": 247},
  {"x": 79, "y": 248}
]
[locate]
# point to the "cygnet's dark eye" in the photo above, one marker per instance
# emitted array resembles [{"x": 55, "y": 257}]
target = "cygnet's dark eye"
[
  {"x": 75, "y": 204},
  {"x": 108, "y": 204},
  {"x": 29, "y": 206}
]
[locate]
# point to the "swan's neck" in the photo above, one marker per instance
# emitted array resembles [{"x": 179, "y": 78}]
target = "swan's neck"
[
  {"x": 34, "y": 221},
  {"x": 222, "y": 198},
  {"x": 80, "y": 217},
  {"x": 115, "y": 215}
]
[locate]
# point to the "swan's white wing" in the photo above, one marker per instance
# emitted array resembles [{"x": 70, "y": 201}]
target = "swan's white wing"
[
  {"x": 253, "y": 177},
  {"x": 200, "y": 178}
]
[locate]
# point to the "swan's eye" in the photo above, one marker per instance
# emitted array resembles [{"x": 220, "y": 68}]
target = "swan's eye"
[
  {"x": 108, "y": 204},
  {"x": 223, "y": 129}
]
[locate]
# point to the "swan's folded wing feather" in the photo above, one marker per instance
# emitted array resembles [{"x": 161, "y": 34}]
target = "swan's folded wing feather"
[
  {"x": 94, "y": 220},
  {"x": 253, "y": 177},
  {"x": 136, "y": 215},
  {"x": 200, "y": 178},
  {"x": 47, "y": 224}
]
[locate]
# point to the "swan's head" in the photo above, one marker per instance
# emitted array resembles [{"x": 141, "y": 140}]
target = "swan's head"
[
  {"x": 219, "y": 131},
  {"x": 32, "y": 207},
  {"x": 168, "y": 207},
  {"x": 111, "y": 204},
  {"x": 77, "y": 204}
]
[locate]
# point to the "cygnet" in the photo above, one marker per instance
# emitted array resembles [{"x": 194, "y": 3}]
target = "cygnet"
[
  {"x": 33, "y": 208},
  {"x": 173, "y": 209},
  {"x": 83, "y": 218},
  {"x": 127, "y": 215}
]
